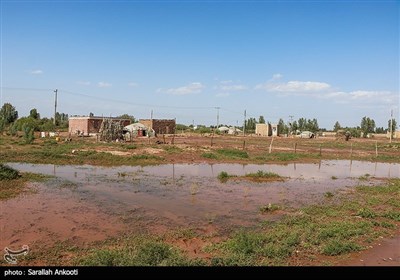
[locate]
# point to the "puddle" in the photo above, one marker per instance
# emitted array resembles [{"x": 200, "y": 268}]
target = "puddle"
[{"x": 99, "y": 200}]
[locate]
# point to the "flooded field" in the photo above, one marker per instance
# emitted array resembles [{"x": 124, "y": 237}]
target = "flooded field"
[{"x": 88, "y": 203}]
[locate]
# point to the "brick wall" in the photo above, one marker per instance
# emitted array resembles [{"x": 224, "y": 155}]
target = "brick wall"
[
  {"x": 160, "y": 126},
  {"x": 89, "y": 125}
]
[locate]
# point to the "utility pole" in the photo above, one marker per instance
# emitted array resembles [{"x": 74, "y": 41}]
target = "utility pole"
[
  {"x": 217, "y": 115},
  {"x": 55, "y": 106},
  {"x": 244, "y": 124},
  {"x": 391, "y": 125}
]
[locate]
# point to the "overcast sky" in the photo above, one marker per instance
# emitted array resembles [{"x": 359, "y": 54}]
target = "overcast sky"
[{"x": 330, "y": 60}]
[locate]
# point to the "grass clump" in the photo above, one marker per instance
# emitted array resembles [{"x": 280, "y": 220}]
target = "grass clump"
[
  {"x": 269, "y": 208},
  {"x": 262, "y": 174},
  {"x": 209, "y": 155},
  {"x": 8, "y": 173},
  {"x": 231, "y": 153},
  {"x": 223, "y": 176}
]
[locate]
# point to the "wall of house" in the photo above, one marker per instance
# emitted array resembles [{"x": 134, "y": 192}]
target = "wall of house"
[
  {"x": 75, "y": 125},
  {"x": 262, "y": 129},
  {"x": 160, "y": 126},
  {"x": 89, "y": 125}
]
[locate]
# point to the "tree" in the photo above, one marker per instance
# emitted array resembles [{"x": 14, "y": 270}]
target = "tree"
[
  {"x": 251, "y": 124},
  {"x": 294, "y": 127},
  {"x": 61, "y": 120},
  {"x": 337, "y": 126},
  {"x": 8, "y": 113},
  {"x": 34, "y": 114},
  {"x": 367, "y": 126},
  {"x": 129, "y": 117},
  {"x": 394, "y": 125},
  {"x": 282, "y": 127},
  {"x": 261, "y": 119}
]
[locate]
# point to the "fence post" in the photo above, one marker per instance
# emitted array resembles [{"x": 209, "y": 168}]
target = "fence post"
[
  {"x": 295, "y": 147},
  {"x": 320, "y": 148},
  {"x": 376, "y": 148},
  {"x": 244, "y": 144}
]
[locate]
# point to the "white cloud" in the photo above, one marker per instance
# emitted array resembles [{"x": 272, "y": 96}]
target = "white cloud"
[
  {"x": 36, "y": 72},
  {"x": 363, "y": 96},
  {"x": 132, "y": 84},
  {"x": 83, "y": 83},
  {"x": 184, "y": 90},
  {"x": 104, "y": 84},
  {"x": 294, "y": 86}
]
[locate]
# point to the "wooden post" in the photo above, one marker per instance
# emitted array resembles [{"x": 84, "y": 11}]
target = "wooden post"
[
  {"x": 270, "y": 145},
  {"x": 320, "y": 148},
  {"x": 244, "y": 144},
  {"x": 173, "y": 139},
  {"x": 295, "y": 147},
  {"x": 376, "y": 148},
  {"x": 163, "y": 137},
  {"x": 212, "y": 138}
]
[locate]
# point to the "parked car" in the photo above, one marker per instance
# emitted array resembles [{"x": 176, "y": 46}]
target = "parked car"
[{"x": 307, "y": 134}]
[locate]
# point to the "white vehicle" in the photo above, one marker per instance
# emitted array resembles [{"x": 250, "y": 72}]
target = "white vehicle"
[{"x": 307, "y": 134}]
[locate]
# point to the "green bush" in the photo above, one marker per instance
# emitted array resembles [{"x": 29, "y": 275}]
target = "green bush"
[{"x": 8, "y": 173}]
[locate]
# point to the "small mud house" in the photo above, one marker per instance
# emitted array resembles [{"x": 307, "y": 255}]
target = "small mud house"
[
  {"x": 266, "y": 129},
  {"x": 160, "y": 126},
  {"x": 90, "y": 125}
]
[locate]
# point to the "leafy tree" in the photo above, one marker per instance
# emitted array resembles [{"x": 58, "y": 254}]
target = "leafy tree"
[
  {"x": 282, "y": 127},
  {"x": 380, "y": 130},
  {"x": 251, "y": 124},
  {"x": 28, "y": 133},
  {"x": 8, "y": 113},
  {"x": 367, "y": 126},
  {"x": 294, "y": 127},
  {"x": 394, "y": 125},
  {"x": 129, "y": 117},
  {"x": 34, "y": 114},
  {"x": 337, "y": 126},
  {"x": 61, "y": 120},
  {"x": 261, "y": 119}
]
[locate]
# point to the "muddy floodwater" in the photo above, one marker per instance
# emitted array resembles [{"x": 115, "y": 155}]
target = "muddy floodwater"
[{"x": 87, "y": 203}]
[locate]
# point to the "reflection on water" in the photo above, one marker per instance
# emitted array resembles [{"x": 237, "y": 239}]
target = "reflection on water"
[
  {"x": 189, "y": 194},
  {"x": 322, "y": 170}
]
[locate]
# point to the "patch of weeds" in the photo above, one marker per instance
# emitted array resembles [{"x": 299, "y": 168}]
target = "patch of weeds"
[
  {"x": 136, "y": 253},
  {"x": 130, "y": 147},
  {"x": 209, "y": 155},
  {"x": 364, "y": 177},
  {"x": 328, "y": 195},
  {"x": 338, "y": 247},
  {"x": 393, "y": 215},
  {"x": 262, "y": 174},
  {"x": 8, "y": 173},
  {"x": 172, "y": 149},
  {"x": 334, "y": 178},
  {"x": 269, "y": 208},
  {"x": 366, "y": 213},
  {"x": 223, "y": 176},
  {"x": 121, "y": 174},
  {"x": 231, "y": 153}
]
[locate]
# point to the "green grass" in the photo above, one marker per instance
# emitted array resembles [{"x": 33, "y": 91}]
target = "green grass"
[
  {"x": 14, "y": 183},
  {"x": 231, "y": 153},
  {"x": 330, "y": 229},
  {"x": 172, "y": 149},
  {"x": 209, "y": 155},
  {"x": 262, "y": 174},
  {"x": 137, "y": 251},
  {"x": 8, "y": 173},
  {"x": 223, "y": 176}
]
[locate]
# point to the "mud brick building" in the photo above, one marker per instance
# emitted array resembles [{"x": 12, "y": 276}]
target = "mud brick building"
[
  {"x": 160, "y": 126},
  {"x": 89, "y": 125}
]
